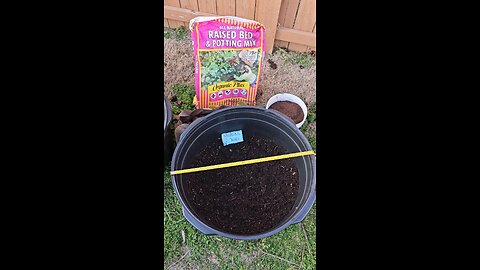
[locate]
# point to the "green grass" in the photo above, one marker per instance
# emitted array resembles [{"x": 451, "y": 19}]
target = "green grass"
[
  {"x": 176, "y": 33},
  {"x": 292, "y": 248},
  {"x": 304, "y": 59},
  {"x": 308, "y": 129}
]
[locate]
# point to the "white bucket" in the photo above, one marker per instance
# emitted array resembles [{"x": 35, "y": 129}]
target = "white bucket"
[{"x": 291, "y": 98}]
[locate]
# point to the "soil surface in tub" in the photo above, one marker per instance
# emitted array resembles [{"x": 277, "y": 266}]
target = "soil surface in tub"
[
  {"x": 243, "y": 200},
  {"x": 290, "y": 109}
]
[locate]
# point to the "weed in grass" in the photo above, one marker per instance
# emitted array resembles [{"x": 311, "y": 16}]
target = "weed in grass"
[
  {"x": 309, "y": 127},
  {"x": 309, "y": 130},
  {"x": 312, "y": 113},
  {"x": 176, "y": 33},
  {"x": 184, "y": 94}
]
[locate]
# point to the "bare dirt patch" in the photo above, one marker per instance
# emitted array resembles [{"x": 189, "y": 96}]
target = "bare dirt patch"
[
  {"x": 182, "y": 261},
  {"x": 277, "y": 76},
  {"x": 248, "y": 259},
  {"x": 213, "y": 258},
  {"x": 178, "y": 64}
]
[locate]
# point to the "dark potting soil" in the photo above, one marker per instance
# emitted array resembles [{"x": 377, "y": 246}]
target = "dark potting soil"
[
  {"x": 290, "y": 109},
  {"x": 244, "y": 200}
]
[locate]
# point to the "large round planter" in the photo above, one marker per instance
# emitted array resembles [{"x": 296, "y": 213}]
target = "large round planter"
[
  {"x": 167, "y": 131},
  {"x": 252, "y": 120}
]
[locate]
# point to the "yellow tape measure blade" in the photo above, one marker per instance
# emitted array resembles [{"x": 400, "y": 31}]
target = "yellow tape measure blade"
[{"x": 244, "y": 162}]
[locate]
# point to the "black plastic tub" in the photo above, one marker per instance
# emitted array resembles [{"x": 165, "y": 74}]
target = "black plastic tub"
[
  {"x": 258, "y": 122},
  {"x": 167, "y": 131}
]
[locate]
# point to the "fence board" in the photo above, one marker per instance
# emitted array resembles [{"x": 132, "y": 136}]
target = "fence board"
[
  {"x": 266, "y": 13},
  {"x": 288, "y": 12},
  {"x": 189, "y": 4},
  {"x": 305, "y": 22},
  {"x": 245, "y": 9},
  {"x": 278, "y": 16},
  {"x": 225, "y": 7},
  {"x": 181, "y": 14},
  {"x": 315, "y": 32},
  {"x": 173, "y": 3},
  {"x": 207, "y": 6},
  {"x": 292, "y": 35}
]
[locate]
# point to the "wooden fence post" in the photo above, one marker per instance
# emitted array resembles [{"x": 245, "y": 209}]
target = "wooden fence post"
[
  {"x": 306, "y": 22},
  {"x": 267, "y": 13},
  {"x": 173, "y": 3}
]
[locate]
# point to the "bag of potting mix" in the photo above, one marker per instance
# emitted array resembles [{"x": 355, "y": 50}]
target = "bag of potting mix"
[{"x": 228, "y": 54}]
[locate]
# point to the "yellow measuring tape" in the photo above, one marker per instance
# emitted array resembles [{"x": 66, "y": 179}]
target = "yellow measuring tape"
[{"x": 244, "y": 162}]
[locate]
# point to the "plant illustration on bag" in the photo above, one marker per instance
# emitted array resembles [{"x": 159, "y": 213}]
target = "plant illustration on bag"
[{"x": 228, "y": 65}]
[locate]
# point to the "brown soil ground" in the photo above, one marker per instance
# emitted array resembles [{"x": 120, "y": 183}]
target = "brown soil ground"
[
  {"x": 285, "y": 78},
  {"x": 243, "y": 200}
]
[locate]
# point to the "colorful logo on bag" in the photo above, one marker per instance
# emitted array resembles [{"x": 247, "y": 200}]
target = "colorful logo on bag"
[
  {"x": 227, "y": 92},
  {"x": 213, "y": 96},
  {"x": 244, "y": 92},
  {"x": 235, "y": 91},
  {"x": 220, "y": 94}
]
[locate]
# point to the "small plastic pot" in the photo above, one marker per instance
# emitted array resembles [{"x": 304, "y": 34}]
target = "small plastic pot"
[
  {"x": 291, "y": 98},
  {"x": 167, "y": 131},
  {"x": 254, "y": 121}
]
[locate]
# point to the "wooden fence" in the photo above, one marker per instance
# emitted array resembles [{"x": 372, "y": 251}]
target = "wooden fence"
[{"x": 289, "y": 23}]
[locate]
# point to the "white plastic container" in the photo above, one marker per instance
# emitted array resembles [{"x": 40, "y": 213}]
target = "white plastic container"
[{"x": 291, "y": 98}]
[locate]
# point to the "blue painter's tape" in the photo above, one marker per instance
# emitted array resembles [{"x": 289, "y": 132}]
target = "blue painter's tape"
[{"x": 232, "y": 137}]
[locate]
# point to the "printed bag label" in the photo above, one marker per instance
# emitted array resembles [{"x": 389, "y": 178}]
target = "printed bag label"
[{"x": 228, "y": 54}]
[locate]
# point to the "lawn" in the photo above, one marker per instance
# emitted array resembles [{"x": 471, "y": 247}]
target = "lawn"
[{"x": 187, "y": 248}]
